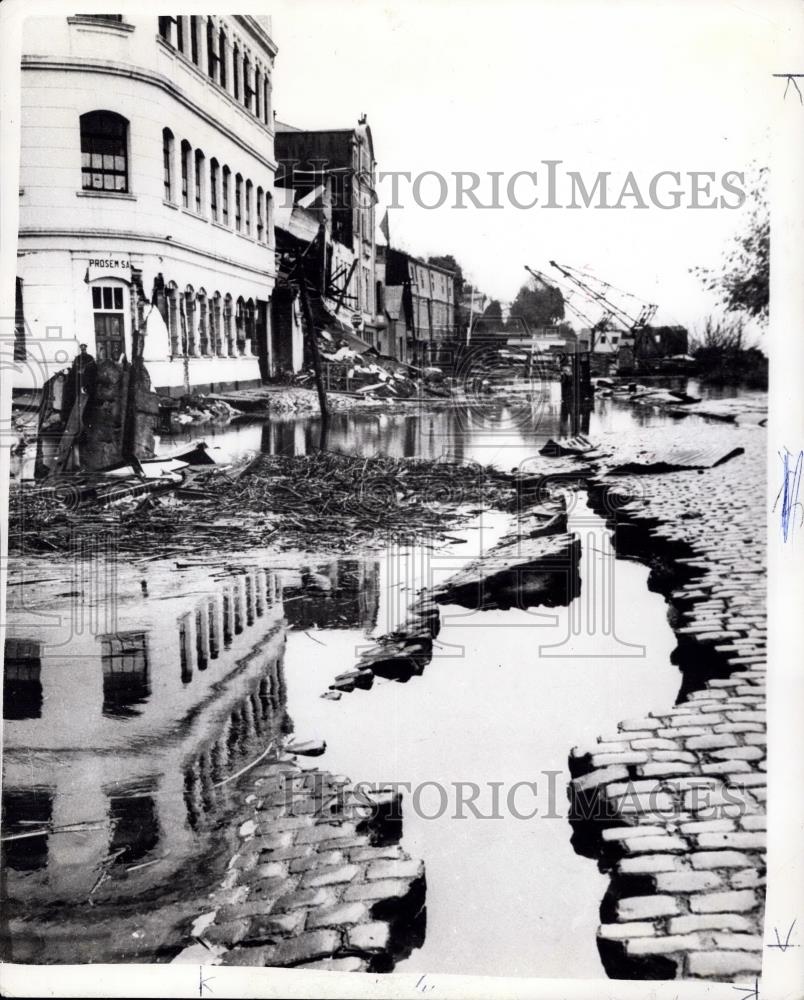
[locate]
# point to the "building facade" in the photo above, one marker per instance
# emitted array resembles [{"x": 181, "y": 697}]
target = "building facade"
[
  {"x": 332, "y": 173},
  {"x": 427, "y": 294},
  {"x": 147, "y": 160}
]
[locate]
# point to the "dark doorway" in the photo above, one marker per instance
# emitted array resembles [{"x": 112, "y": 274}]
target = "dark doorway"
[{"x": 262, "y": 339}]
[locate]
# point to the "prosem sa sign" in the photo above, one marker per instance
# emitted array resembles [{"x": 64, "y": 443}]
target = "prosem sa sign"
[{"x": 109, "y": 267}]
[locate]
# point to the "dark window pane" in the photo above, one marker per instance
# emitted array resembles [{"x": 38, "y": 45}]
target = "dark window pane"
[{"x": 118, "y": 298}]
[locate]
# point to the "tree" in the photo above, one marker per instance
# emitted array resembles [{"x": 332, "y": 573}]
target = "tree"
[
  {"x": 493, "y": 311},
  {"x": 744, "y": 280},
  {"x": 539, "y": 305}
]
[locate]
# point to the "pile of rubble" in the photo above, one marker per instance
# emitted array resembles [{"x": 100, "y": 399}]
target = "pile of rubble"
[{"x": 310, "y": 502}]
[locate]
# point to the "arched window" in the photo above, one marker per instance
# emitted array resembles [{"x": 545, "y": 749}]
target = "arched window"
[
  {"x": 104, "y": 151},
  {"x": 190, "y": 329},
  {"x": 212, "y": 59},
  {"x": 222, "y": 46},
  {"x": 238, "y": 203},
  {"x": 198, "y": 181},
  {"x": 172, "y": 295},
  {"x": 236, "y": 71},
  {"x": 203, "y": 322},
  {"x": 251, "y": 332},
  {"x": 194, "y": 37},
  {"x": 226, "y": 183},
  {"x": 186, "y": 170},
  {"x": 167, "y": 162},
  {"x": 260, "y": 215},
  {"x": 249, "y": 194},
  {"x": 269, "y": 217},
  {"x": 257, "y": 91},
  {"x": 215, "y": 330},
  {"x": 246, "y": 82},
  {"x": 166, "y": 28},
  {"x": 228, "y": 337},
  {"x": 214, "y": 178},
  {"x": 240, "y": 326}
]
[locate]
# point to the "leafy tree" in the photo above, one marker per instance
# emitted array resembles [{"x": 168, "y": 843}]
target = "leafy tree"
[
  {"x": 743, "y": 282},
  {"x": 493, "y": 311},
  {"x": 538, "y": 304}
]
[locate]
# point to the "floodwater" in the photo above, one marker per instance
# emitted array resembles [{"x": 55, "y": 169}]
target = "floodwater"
[
  {"x": 499, "y": 432},
  {"x": 133, "y": 692}
]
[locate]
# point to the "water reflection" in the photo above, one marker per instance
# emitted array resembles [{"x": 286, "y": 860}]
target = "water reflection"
[
  {"x": 503, "y": 432},
  {"x": 343, "y": 593},
  {"x": 118, "y": 747}
]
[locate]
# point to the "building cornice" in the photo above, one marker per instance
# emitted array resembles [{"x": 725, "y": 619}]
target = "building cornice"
[
  {"x": 104, "y": 67},
  {"x": 257, "y": 31},
  {"x": 163, "y": 242}
]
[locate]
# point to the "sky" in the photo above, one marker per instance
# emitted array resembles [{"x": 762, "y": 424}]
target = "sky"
[{"x": 601, "y": 86}]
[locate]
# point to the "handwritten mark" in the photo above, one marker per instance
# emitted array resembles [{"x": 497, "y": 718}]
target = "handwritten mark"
[
  {"x": 202, "y": 983},
  {"x": 422, "y": 986},
  {"x": 783, "y": 945},
  {"x": 791, "y": 78},
  {"x": 749, "y": 992},
  {"x": 789, "y": 491}
]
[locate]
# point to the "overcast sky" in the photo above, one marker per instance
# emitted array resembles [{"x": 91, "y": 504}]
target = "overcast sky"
[{"x": 501, "y": 86}]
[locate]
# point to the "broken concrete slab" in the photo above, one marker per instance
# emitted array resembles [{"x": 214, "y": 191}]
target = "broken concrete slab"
[
  {"x": 522, "y": 572},
  {"x": 676, "y": 460}
]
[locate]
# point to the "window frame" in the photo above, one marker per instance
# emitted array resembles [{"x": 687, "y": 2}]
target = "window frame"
[{"x": 86, "y": 139}]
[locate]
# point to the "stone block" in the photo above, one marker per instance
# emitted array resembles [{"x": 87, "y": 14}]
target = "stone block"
[
  {"x": 710, "y": 742},
  {"x": 646, "y": 907},
  {"x": 382, "y": 888},
  {"x": 719, "y": 859},
  {"x": 632, "y": 929},
  {"x": 408, "y": 868},
  {"x": 746, "y": 878},
  {"x": 646, "y": 864},
  {"x": 662, "y": 945},
  {"x": 345, "y": 913},
  {"x": 696, "y": 881},
  {"x": 306, "y": 947},
  {"x": 305, "y": 898},
  {"x": 736, "y": 901},
  {"x": 332, "y": 875},
  {"x": 748, "y": 841},
  {"x": 708, "y": 921},
  {"x": 720, "y": 964},
  {"x": 739, "y": 753},
  {"x": 708, "y": 826},
  {"x": 666, "y": 844},
  {"x": 369, "y": 937}
]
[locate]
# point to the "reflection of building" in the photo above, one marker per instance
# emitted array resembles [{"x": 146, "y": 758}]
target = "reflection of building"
[
  {"x": 114, "y": 743},
  {"x": 147, "y": 156},
  {"x": 340, "y": 594}
]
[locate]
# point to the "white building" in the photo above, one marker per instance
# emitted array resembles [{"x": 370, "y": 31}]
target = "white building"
[{"x": 147, "y": 150}]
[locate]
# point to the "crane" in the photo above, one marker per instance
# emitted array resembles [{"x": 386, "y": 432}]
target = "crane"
[
  {"x": 567, "y": 292},
  {"x": 600, "y": 292}
]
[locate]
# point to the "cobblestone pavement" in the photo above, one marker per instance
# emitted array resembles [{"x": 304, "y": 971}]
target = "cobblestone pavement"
[
  {"x": 673, "y": 805},
  {"x": 318, "y": 882}
]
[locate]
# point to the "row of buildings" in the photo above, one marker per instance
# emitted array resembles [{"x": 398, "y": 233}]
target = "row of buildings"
[{"x": 152, "y": 161}]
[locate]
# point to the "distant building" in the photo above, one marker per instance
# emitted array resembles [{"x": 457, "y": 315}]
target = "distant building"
[
  {"x": 147, "y": 161},
  {"x": 332, "y": 173},
  {"x": 420, "y": 305}
]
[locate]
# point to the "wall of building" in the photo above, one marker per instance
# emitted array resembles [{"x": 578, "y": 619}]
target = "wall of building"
[{"x": 72, "y": 66}]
